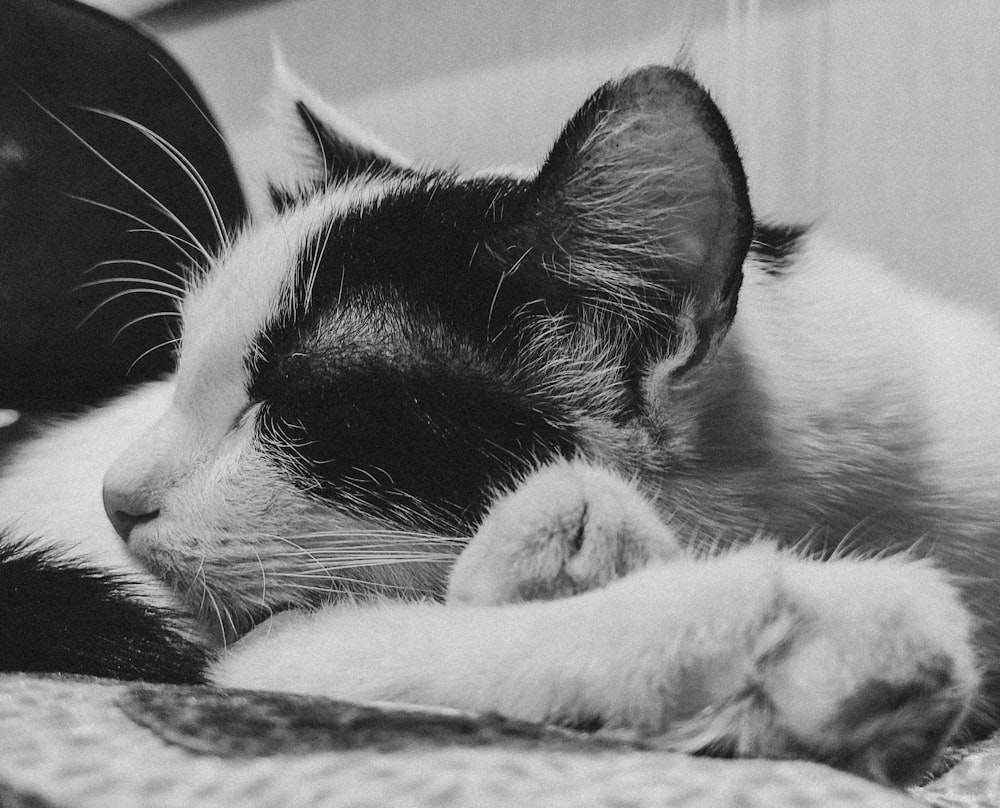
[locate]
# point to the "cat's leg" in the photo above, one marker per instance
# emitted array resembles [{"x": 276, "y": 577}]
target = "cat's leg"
[
  {"x": 572, "y": 526},
  {"x": 567, "y": 528},
  {"x": 863, "y": 664}
]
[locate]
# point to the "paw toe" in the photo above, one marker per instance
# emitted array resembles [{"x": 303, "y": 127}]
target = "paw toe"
[{"x": 892, "y": 731}]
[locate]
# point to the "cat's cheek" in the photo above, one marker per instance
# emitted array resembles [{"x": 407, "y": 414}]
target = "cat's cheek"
[{"x": 216, "y": 516}]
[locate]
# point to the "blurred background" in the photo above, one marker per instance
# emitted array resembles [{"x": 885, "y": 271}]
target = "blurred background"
[{"x": 879, "y": 119}]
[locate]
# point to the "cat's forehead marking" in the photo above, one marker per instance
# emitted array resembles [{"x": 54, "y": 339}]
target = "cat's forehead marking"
[{"x": 248, "y": 288}]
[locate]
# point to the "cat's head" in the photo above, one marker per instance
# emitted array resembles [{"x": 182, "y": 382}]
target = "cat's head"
[{"x": 360, "y": 373}]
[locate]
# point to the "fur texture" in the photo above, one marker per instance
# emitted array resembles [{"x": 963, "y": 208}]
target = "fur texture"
[
  {"x": 767, "y": 531},
  {"x": 60, "y": 616}
]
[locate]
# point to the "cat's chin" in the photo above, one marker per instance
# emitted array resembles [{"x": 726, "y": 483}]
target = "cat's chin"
[
  {"x": 224, "y": 631},
  {"x": 264, "y": 628}
]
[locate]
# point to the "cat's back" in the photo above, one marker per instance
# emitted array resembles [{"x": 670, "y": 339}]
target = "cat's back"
[{"x": 859, "y": 367}]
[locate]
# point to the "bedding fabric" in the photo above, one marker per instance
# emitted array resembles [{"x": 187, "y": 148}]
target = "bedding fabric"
[{"x": 79, "y": 743}]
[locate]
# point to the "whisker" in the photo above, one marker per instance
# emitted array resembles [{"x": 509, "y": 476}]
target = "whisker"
[
  {"x": 347, "y": 565},
  {"x": 361, "y": 556},
  {"x": 198, "y": 573},
  {"x": 364, "y": 531},
  {"x": 352, "y": 552},
  {"x": 136, "y": 262},
  {"x": 149, "y": 283},
  {"x": 218, "y": 614},
  {"x": 351, "y": 583},
  {"x": 375, "y": 532},
  {"x": 350, "y": 557},
  {"x": 263, "y": 579},
  {"x": 176, "y": 298},
  {"x": 156, "y": 202},
  {"x": 148, "y": 227},
  {"x": 325, "y": 574},
  {"x": 180, "y": 160},
  {"x": 139, "y": 358},
  {"x": 228, "y": 613},
  {"x": 300, "y": 549},
  {"x": 140, "y": 318},
  {"x": 343, "y": 544},
  {"x": 194, "y": 103},
  {"x": 177, "y": 241}
]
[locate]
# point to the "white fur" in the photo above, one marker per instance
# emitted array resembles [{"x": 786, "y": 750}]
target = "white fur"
[
  {"x": 226, "y": 508},
  {"x": 51, "y": 490},
  {"x": 855, "y": 362},
  {"x": 838, "y": 394},
  {"x": 850, "y": 364},
  {"x": 252, "y": 283},
  {"x": 656, "y": 651}
]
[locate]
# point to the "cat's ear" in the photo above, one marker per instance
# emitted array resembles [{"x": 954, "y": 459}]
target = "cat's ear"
[
  {"x": 336, "y": 148},
  {"x": 641, "y": 215}
]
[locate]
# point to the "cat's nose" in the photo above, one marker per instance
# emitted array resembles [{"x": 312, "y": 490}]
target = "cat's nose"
[{"x": 127, "y": 508}]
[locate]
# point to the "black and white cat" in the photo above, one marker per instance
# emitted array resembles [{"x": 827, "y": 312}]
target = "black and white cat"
[{"x": 727, "y": 485}]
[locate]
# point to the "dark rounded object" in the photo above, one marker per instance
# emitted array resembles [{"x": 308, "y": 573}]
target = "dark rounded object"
[{"x": 69, "y": 77}]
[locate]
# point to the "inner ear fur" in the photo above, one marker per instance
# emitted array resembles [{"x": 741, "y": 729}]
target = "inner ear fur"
[
  {"x": 641, "y": 215},
  {"x": 337, "y": 148}
]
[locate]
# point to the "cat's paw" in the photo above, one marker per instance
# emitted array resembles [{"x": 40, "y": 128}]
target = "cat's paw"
[
  {"x": 886, "y": 673},
  {"x": 568, "y": 527},
  {"x": 867, "y": 665}
]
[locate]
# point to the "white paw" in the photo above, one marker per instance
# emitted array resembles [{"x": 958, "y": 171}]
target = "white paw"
[
  {"x": 866, "y": 665},
  {"x": 569, "y": 527},
  {"x": 885, "y": 672}
]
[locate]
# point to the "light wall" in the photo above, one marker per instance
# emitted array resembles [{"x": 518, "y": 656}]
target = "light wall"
[{"x": 878, "y": 118}]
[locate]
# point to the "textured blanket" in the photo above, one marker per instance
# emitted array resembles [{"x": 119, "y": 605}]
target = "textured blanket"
[{"x": 78, "y": 743}]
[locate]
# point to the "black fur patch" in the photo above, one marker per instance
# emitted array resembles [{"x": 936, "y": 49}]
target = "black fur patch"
[
  {"x": 775, "y": 245},
  {"x": 422, "y": 244},
  {"x": 399, "y": 380},
  {"x": 399, "y": 421},
  {"x": 58, "y": 616},
  {"x": 422, "y": 438},
  {"x": 892, "y": 731}
]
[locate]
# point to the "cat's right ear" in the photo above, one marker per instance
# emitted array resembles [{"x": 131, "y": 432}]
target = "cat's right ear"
[
  {"x": 639, "y": 220},
  {"x": 336, "y": 148}
]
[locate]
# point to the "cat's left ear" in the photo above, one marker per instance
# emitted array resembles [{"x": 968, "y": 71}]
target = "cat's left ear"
[
  {"x": 337, "y": 149},
  {"x": 640, "y": 218}
]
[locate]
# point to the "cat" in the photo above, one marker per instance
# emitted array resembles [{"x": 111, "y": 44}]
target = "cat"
[{"x": 727, "y": 486}]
